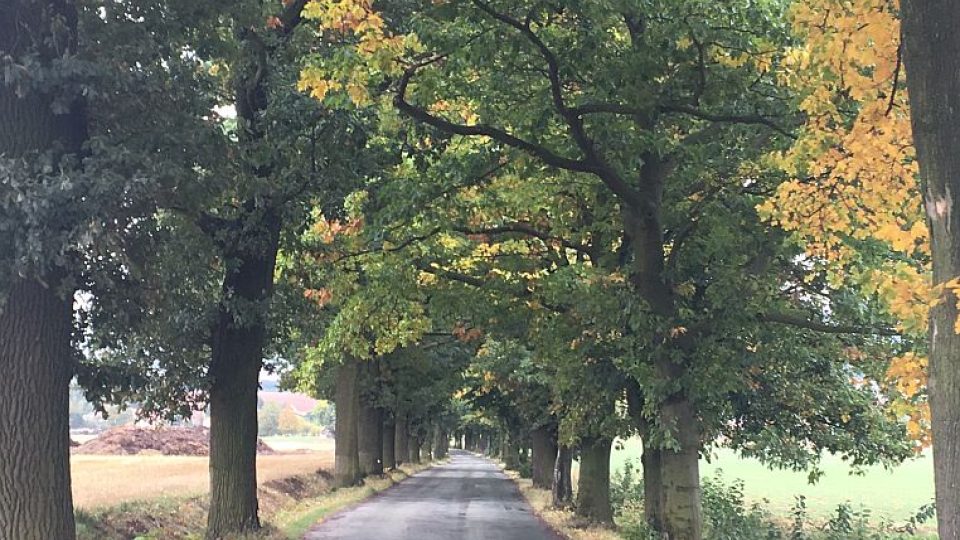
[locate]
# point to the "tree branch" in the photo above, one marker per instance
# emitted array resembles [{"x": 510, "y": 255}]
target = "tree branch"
[
  {"x": 755, "y": 119},
  {"x": 525, "y": 229},
  {"x": 800, "y": 321},
  {"x": 482, "y": 130}
]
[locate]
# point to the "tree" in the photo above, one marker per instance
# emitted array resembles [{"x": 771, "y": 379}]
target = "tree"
[
  {"x": 289, "y": 423},
  {"x": 268, "y": 419},
  {"x": 933, "y": 78},
  {"x": 43, "y": 136}
]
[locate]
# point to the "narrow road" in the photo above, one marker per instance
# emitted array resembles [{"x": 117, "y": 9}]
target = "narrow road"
[{"x": 467, "y": 498}]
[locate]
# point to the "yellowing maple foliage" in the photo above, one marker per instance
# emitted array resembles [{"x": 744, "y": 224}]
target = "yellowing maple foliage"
[
  {"x": 375, "y": 49},
  {"x": 854, "y": 170}
]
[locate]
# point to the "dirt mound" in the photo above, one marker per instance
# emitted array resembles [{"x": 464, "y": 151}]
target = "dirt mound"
[{"x": 166, "y": 440}]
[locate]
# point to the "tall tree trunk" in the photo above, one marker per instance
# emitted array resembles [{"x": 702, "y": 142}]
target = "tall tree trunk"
[
  {"x": 35, "y": 315},
  {"x": 35, "y": 353},
  {"x": 932, "y": 58},
  {"x": 370, "y": 440},
  {"x": 593, "y": 493},
  {"x": 389, "y": 445},
  {"x": 346, "y": 469},
  {"x": 680, "y": 474},
  {"x": 650, "y": 459},
  {"x": 413, "y": 445},
  {"x": 237, "y": 356},
  {"x": 510, "y": 452},
  {"x": 402, "y": 439},
  {"x": 544, "y": 456},
  {"x": 652, "y": 486},
  {"x": 426, "y": 446},
  {"x": 370, "y": 435},
  {"x": 563, "y": 478}
]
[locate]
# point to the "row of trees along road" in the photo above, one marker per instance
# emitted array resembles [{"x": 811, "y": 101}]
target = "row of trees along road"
[{"x": 535, "y": 226}]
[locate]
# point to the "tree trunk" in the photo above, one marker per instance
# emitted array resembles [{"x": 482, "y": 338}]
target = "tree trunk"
[
  {"x": 346, "y": 469},
  {"x": 370, "y": 434},
  {"x": 544, "y": 456},
  {"x": 650, "y": 459},
  {"x": 389, "y": 448},
  {"x": 35, "y": 316},
  {"x": 370, "y": 440},
  {"x": 593, "y": 494},
  {"x": 402, "y": 440},
  {"x": 426, "y": 446},
  {"x": 437, "y": 445},
  {"x": 510, "y": 453},
  {"x": 931, "y": 46},
  {"x": 562, "y": 478},
  {"x": 35, "y": 353},
  {"x": 237, "y": 356},
  {"x": 680, "y": 473},
  {"x": 652, "y": 486},
  {"x": 413, "y": 449}
]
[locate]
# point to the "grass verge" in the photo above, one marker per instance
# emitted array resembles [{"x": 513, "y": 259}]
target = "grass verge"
[
  {"x": 564, "y": 522},
  {"x": 295, "y": 521},
  {"x": 289, "y": 507}
]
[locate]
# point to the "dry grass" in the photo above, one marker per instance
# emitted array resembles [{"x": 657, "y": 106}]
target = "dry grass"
[
  {"x": 289, "y": 507},
  {"x": 562, "y": 521},
  {"x": 100, "y": 481}
]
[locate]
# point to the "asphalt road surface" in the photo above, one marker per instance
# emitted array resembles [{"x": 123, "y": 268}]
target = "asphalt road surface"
[{"x": 466, "y": 498}]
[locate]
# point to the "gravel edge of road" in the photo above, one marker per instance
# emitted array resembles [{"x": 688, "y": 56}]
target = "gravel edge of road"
[{"x": 515, "y": 480}]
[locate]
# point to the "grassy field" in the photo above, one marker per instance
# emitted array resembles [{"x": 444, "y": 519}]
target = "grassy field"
[
  {"x": 300, "y": 443},
  {"x": 109, "y": 480},
  {"x": 895, "y": 494}
]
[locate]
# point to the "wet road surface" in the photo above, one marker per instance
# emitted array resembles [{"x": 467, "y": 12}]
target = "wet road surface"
[{"x": 467, "y": 498}]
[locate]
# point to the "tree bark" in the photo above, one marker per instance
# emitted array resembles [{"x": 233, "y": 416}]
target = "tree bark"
[
  {"x": 402, "y": 440},
  {"x": 652, "y": 486},
  {"x": 562, "y": 478},
  {"x": 426, "y": 446},
  {"x": 593, "y": 493},
  {"x": 35, "y": 352},
  {"x": 931, "y": 48},
  {"x": 346, "y": 469},
  {"x": 544, "y": 456},
  {"x": 439, "y": 443},
  {"x": 35, "y": 317},
  {"x": 510, "y": 452},
  {"x": 370, "y": 440},
  {"x": 389, "y": 445},
  {"x": 413, "y": 447},
  {"x": 650, "y": 459},
  {"x": 680, "y": 473},
  {"x": 370, "y": 434},
  {"x": 237, "y": 356}
]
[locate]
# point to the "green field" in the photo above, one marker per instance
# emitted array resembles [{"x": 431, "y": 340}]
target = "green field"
[{"x": 895, "y": 494}]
